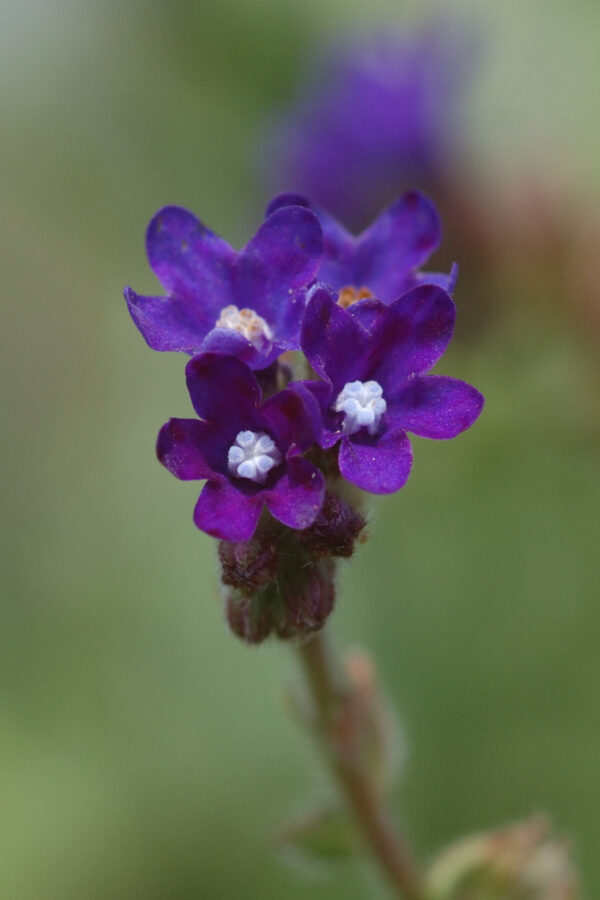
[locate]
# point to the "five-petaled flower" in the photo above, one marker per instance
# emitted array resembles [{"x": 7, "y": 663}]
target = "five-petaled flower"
[
  {"x": 249, "y": 304},
  {"x": 249, "y": 453},
  {"x": 384, "y": 260},
  {"x": 373, "y": 359}
]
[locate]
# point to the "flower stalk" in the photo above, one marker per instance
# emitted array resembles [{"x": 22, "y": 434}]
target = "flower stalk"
[{"x": 337, "y": 723}]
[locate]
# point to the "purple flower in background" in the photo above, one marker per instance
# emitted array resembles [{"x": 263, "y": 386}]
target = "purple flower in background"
[
  {"x": 379, "y": 116},
  {"x": 249, "y": 453},
  {"x": 383, "y": 260},
  {"x": 373, "y": 359},
  {"x": 249, "y": 304}
]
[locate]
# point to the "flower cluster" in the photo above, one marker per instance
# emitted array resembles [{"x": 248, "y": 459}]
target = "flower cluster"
[{"x": 283, "y": 439}]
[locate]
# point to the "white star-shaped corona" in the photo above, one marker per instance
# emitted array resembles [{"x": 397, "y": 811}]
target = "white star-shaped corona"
[
  {"x": 363, "y": 406},
  {"x": 253, "y": 455}
]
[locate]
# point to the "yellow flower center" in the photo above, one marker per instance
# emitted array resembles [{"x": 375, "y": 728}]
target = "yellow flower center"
[{"x": 350, "y": 294}]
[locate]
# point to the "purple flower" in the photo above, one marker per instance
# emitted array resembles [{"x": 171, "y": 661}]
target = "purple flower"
[
  {"x": 249, "y": 453},
  {"x": 373, "y": 359},
  {"x": 249, "y": 304},
  {"x": 383, "y": 260},
  {"x": 379, "y": 116}
]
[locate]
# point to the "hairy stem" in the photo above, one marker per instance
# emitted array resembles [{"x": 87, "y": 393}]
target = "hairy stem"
[{"x": 332, "y": 698}]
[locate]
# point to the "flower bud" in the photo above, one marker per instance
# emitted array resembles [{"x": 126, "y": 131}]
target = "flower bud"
[
  {"x": 521, "y": 862},
  {"x": 306, "y": 606},
  {"x": 335, "y": 530}
]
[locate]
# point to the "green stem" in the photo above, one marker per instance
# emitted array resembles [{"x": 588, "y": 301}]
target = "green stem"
[{"x": 331, "y": 695}]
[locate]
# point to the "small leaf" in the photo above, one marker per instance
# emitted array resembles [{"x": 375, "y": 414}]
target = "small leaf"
[{"x": 324, "y": 834}]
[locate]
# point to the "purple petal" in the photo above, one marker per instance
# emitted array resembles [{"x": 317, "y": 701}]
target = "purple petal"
[
  {"x": 320, "y": 391},
  {"x": 339, "y": 248},
  {"x": 380, "y": 464},
  {"x": 412, "y": 336},
  {"x": 333, "y": 340},
  {"x": 435, "y": 406},
  {"x": 225, "y": 513},
  {"x": 400, "y": 239},
  {"x": 223, "y": 390},
  {"x": 167, "y": 323},
  {"x": 443, "y": 280},
  {"x": 191, "y": 261},
  {"x": 293, "y": 416},
  {"x": 367, "y": 311},
  {"x": 288, "y": 198},
  {"x": 281, "y": 259},
  {"x": 225, "y": 340},
  {"x": 297, "y": 498},
  {"x": 180, "y": 448}
]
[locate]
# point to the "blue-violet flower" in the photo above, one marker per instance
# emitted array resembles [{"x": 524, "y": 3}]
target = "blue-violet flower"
[
  {"x": 249, "y": 304},
  {"x": 373, "y": 359},
  {"x": 380, "y": 114},
  {"x": 249, "y": 453}
]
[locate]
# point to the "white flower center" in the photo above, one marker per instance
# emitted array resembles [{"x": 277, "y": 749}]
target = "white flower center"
[
  {"x": 252, "y": 456},
  {"x": 245, "y": 322},
  {"x": 363, "y": 406}
]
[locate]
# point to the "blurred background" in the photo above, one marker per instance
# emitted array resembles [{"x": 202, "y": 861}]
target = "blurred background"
[{"x": 144, "y": 751}]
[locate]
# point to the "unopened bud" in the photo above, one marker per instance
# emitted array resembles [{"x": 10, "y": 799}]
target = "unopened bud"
[
  {"x": 335, "y": 530},
  {"x": 521, "y": 862},
  {"x": 309, "y": 601}
]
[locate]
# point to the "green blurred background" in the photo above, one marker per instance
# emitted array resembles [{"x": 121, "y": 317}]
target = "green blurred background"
[{"x": 145, "y": 752}]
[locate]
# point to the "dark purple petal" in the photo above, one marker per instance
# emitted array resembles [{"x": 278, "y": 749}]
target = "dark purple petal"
[
  {"x": 400, "y": 239},
  {"x": 180, "y": 447},
  {"x": 225, "y": 340},
  {"x": 379, "y": 464},
  {"x": 293, "y": 416},
  {"x": 321, "y": 393},
  {"x": 443, "y": 280},
  {"x": 339, "y": 247},
  {"x": 435, "y": 406},
  {"x": 223, "y": 390},
  {"x": 334, "y": 341},
  {"x": 411, "y": 337},
  {"x": 226, "y": 513},
  {"x": 191, "y": 261},
  {"x": 280, "y": 260},
  {"x": 297, "y": 497},
  {"x": 166, "y": 323},
  {"x": 367, "y": 311},
  {"x": 288, "y": 198}
]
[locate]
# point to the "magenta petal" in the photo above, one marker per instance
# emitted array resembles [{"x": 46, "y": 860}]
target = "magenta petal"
[
  {"x": 179, "y": 448},
  {"x": 280, "y": 260},
  {"x": 190, "y": 260},
  {"x": 297, "y": 498},
  {"x": 412, "y": 336},
  {"x": 166, "y": 323},
  {"x": 435, "y": 406},
  {"x": 333, "y": 340},
  {"x": 223, "y": 390},
  {"x": 225, "y": 513},
  {"x": 379, "y": 465},
  {"x": 401, "y": 238}
]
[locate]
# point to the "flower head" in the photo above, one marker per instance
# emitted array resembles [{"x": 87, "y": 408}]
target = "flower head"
[
  {"x": 249, "y": 304},
  {"x": 373, "y": 360},
  {"x": 378, "y": 116},
  {"x": 382, "y": 261},
  {"x": 249, "y": 453}
]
